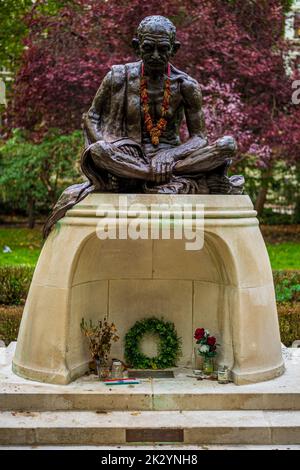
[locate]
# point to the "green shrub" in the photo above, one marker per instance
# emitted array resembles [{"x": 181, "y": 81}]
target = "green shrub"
[
  {"x": 289, "y": 322},
  {"x": 14, "y": 284},
  {"x": 10, "y": 318},
  {"x": 287, "y": 286},
  {"x": 32, "y": 175},
  {"x": 9, "y": 328},
  {"x": 269, "y": 217}
]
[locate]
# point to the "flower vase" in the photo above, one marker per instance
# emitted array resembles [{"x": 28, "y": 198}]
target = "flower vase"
[
  {"x": 197, "y": 359},
  {"x": 208, "y": 365},
  {"x": 102, "y": 368}
]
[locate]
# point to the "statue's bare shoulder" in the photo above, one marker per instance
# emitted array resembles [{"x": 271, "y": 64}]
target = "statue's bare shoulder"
[
  {"x": 190, "y": 89},
  {"x": 192, "y": 101}
]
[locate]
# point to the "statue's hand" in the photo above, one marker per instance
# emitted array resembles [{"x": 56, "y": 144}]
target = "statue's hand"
[{"x": 162, "y": 165}]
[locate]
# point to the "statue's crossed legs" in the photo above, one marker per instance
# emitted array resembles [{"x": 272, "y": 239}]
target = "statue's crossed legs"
[
  {"x": 130, "y": 163},
  {"x": 128, "y": 169}
]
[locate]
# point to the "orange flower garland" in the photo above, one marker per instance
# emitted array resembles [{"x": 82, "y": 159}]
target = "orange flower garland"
[{"x": 155, "y": 131}]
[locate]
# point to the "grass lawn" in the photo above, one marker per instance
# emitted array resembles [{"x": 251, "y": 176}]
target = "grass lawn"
[
  {"x": 284, "y": 256},
  {"x": 26, "y": 245}
]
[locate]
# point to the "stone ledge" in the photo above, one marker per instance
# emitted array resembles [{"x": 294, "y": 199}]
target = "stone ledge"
[
  {"x": 214, "y": 206},
  {"x": 191, "y": 427},
  {"x": 179, "y": 393}
]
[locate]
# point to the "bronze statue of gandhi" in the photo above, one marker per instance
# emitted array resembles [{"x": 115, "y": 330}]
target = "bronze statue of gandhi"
[{"x": 132, "y": 130}]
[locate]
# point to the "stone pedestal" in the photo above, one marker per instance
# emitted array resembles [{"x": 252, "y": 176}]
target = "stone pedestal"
[{"x": 226, "y": 286}]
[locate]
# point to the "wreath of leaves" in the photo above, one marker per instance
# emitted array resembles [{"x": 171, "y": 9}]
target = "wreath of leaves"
[{"x": 169, "y": 348}]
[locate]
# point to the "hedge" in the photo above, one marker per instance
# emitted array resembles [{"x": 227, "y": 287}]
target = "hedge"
[
  {"x": 289, "y": 322},
  {"x": 14, "y": 284},
  {"x": 10, "y": 318},
  {"x": 288, "y": 315}
]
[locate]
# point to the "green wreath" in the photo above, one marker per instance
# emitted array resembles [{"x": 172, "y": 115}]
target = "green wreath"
[{"x": 169, "y": 348}]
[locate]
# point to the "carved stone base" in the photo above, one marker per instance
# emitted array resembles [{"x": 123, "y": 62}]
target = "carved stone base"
[{"x": 226, "y": 286}]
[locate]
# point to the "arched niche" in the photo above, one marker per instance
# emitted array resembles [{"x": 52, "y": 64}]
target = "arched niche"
[{"x": 128, "y": 280}]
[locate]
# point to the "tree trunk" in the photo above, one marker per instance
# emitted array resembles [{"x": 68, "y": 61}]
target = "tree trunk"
[
  {"x": 296, "y": 218},
  {"x": 261, "y": 199},
  {"x": 263, "y": 191},
  {"x": 31, "y": 216}
]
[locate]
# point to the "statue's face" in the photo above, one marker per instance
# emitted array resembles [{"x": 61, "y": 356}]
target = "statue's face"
[{"x": 156, "y": 50}]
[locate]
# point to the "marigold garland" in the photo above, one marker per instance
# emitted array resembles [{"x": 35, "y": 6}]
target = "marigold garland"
[
  {"x": 155, "y": 131},
  {"x": 169, "y": 347}
]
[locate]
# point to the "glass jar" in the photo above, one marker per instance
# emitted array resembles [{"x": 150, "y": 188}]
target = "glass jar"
[
  {"x": 102, "y": 369},
  {"x": 208, "y": 365},
  {"x": 223, "y": 375},
  {"x": 197, "y": 359},
  {"x": 117, "y": 370}
]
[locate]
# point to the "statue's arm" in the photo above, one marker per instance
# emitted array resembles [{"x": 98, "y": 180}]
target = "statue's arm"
[
  {"x": 192, "y": 100},
  {"x": 100, "y": 104}
]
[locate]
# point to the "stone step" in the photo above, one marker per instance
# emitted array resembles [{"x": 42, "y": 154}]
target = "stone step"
[
  {"x": 173, "y": 394},
  {"x": 132, "y": 428},
  {"x": 142, "y": 398}
]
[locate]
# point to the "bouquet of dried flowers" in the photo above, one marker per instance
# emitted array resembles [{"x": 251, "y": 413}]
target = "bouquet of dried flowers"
[{"x": 100, "y": 337}]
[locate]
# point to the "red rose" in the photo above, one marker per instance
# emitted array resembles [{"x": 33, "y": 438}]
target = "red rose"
[
  {"x": 199, "y": 333},
  {"x": 211, "y": 340}
]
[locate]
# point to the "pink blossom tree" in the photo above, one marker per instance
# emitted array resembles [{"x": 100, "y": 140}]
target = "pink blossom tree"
[{"x": 234, "y": 48}]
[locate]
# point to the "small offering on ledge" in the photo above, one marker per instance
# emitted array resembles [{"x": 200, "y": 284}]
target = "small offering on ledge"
[
  {"x": 121, "y": 382},
  {"x": 223, "y": 374}
]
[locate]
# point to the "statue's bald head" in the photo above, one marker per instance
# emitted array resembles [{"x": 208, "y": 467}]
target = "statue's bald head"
[
  {"x": 156, "y": 25},
  {"x": 156, "y": 42}
]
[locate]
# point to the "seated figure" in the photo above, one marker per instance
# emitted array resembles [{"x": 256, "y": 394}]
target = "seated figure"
[{"x": 132, "y": 130}]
